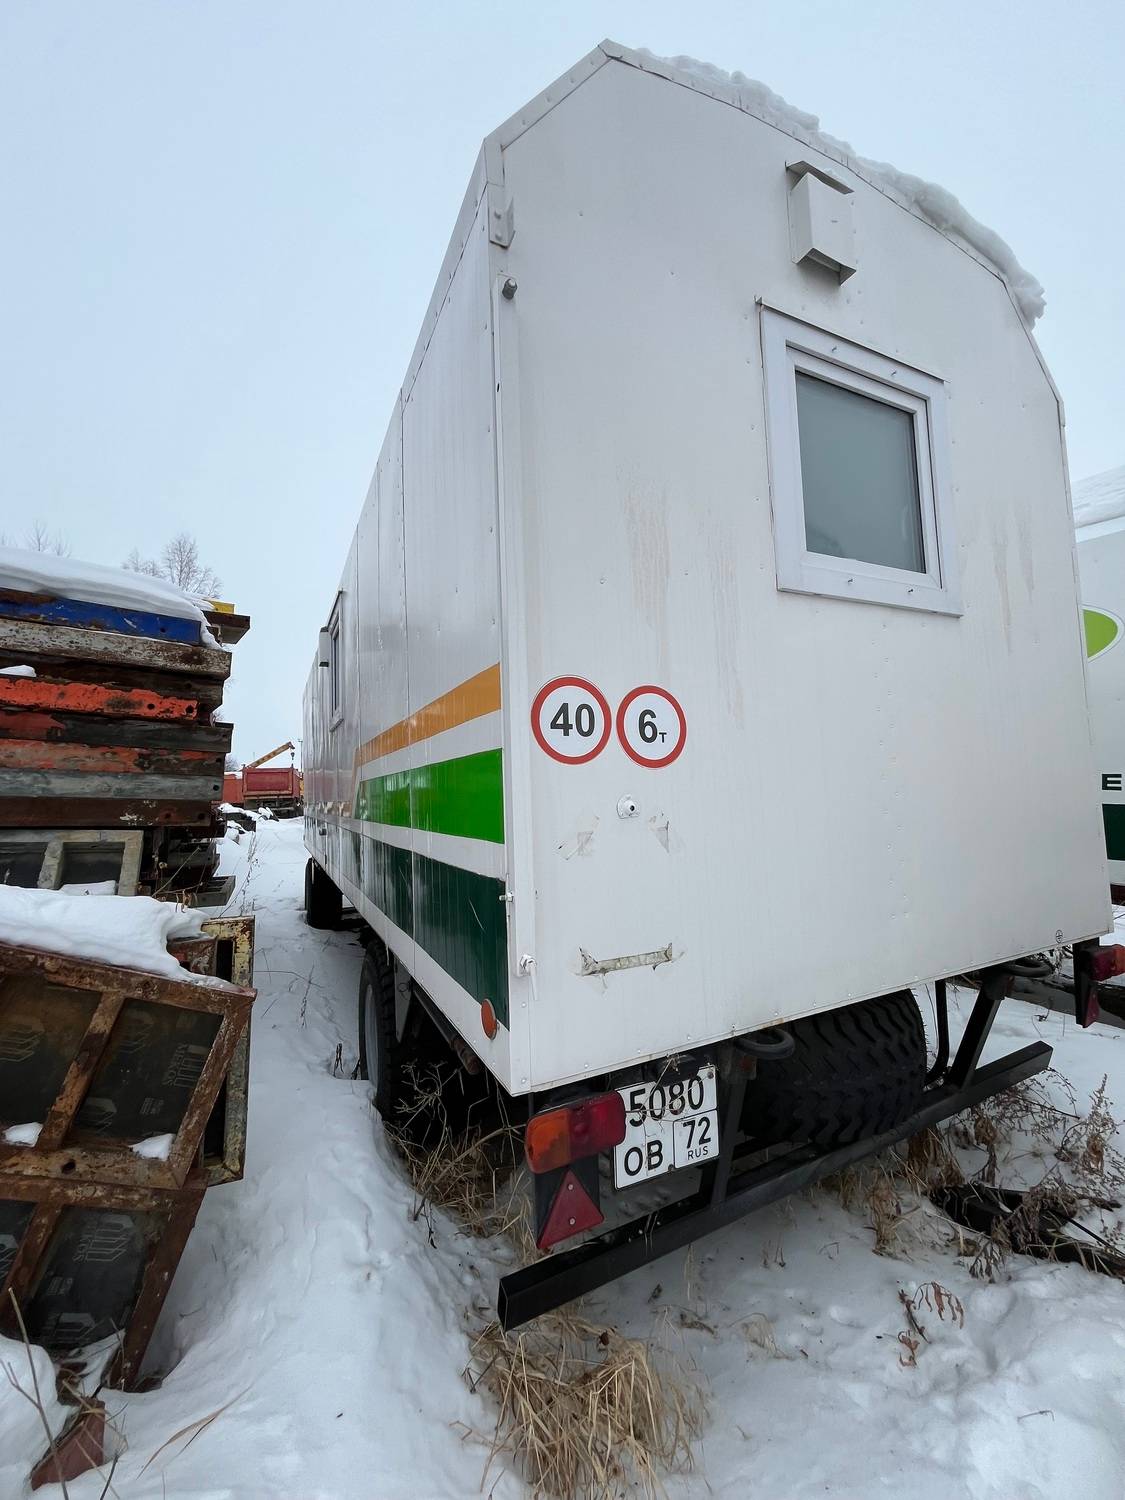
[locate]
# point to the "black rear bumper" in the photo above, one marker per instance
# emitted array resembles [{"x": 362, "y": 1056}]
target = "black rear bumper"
[{"x": 727, "y": 1194}]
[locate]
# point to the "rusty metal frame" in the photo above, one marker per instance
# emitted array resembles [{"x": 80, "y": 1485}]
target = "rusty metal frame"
[
  {"x": 30, "y": 810},
  {"x": 51, "y": 1198},
  {"x": 130, "y": 843},
  {"x": 235, "y": 962},
  {"x": 215, "y": 892},
  {"x": 29, "y": 640},
  {"x": 52, "y": 843},
  {"x": 50, "y": 1157}
]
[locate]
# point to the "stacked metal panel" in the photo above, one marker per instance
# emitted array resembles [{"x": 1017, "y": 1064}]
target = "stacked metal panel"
[
  {"x": 115, "y": 726},
  {"x": 111, "y": 771}
]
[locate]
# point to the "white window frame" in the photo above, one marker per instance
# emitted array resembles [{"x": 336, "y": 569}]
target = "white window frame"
[
  {"x": 335, "y": 667},
  {"x": 789, "y": 346}
]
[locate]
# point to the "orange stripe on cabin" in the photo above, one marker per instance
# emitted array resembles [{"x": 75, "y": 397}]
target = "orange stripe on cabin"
[
  {"x": 93, "y": 698},
  {"x": 468, "y": 700}
]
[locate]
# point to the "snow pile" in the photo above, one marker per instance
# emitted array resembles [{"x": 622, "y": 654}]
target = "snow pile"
[
  {"x": 91, "y": 888},
  {"x": 63, "y": 577},
  {"x": 23, "y": 1135},
  {"x": 935, "y": 204},
  {"x": 132, "y": 931},
  {"x": 22, "y": 1440},
  {"x": 1099, "y": 498},
  {"x": 154, "y": 1147},
  {"x": 315, "y": 1293}
]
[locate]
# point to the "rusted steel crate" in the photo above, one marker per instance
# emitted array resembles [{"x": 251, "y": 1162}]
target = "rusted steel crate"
[
  {"x": 227, "y": 951},
  {"x": 50, "y": 858},
  {"x": 222, "y": 1154},
  {"x": 104, "y": 1058},
  {"x": 89, "y": 1263}
]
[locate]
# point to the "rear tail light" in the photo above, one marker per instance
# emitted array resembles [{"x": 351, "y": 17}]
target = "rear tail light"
[
  {"x": 560, "y": 1136},
  {"x": 1107, "y": 962}
]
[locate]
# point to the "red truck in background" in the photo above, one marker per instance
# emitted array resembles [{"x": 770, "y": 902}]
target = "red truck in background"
[{"x": 280, "y": 788}]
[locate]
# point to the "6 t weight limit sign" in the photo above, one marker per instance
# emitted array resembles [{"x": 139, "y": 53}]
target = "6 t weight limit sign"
[{"x": 651, "y": 726}]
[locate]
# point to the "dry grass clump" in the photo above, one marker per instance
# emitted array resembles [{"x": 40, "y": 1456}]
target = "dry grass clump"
[
  {"x": 1076, "y": 1165},
  {"x": 581, "y": 1410},
  {"x": 469, "y": 1173},
  {"x": 584, "y": 1410}
]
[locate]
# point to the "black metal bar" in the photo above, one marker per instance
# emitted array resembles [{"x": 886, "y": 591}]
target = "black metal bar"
[
  {"x": 552, "y": 1282},
  {"x": 1086, "y": 1007},
  {"x": 941, "y": 1004},
  {"x": 994, "y": 986},
  {"x": 715, "y": 1182}
]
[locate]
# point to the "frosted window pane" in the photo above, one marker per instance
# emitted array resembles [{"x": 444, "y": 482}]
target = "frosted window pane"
[{"x": 859, "y": 472}]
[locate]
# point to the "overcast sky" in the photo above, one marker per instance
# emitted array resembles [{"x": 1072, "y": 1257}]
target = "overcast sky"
[{"x": 223, "y": 219}]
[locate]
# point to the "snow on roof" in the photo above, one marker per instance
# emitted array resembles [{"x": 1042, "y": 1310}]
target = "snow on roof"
[
  {"x": 935, "y": 204},
  {"x": 67, "y": 578},
  {"x": 132, "y": 931},
  {"x": 1099, "y": 498}
]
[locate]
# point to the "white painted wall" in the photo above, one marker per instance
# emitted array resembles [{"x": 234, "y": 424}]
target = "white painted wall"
[{"x": 870, "y": 796}]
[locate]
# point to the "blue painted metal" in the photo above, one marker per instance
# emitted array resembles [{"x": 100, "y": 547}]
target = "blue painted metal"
[{"x": 85, "y": 616}]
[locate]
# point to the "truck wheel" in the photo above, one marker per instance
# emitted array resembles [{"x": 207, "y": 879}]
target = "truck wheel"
[
  {"x": 324, "y": 906},
  {"x": 853, "y": 1073},
  {"x": 381, "y": 1058}
]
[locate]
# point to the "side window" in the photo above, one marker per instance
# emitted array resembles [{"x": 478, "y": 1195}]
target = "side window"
[
  {"x": 335, "y": 669},
  {"x": 858, "y": 471}
]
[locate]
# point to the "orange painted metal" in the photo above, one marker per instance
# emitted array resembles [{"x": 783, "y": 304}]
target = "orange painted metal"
[
  {"x": 42, "y": 755},
  {"x": 93, "y": 698}
]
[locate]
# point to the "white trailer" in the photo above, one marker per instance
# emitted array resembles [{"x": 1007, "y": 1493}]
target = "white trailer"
[
  {"x": 685, "y": 678},
  {"x": 1099, "y": 515}
]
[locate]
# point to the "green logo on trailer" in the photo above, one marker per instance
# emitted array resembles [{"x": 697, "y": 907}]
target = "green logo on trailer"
[{"x": 1103, "y": 630}]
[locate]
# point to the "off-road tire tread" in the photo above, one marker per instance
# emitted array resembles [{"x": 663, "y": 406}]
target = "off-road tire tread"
[
  {"x": 377, "y": 987},
  {"x": 854, "y": 1072}
]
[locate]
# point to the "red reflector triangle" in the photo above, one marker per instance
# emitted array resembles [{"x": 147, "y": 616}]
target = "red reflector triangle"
[{"x": 572, "y": 1211}]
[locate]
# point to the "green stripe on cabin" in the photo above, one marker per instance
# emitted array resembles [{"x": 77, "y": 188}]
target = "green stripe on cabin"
[
  {"x": 460, "y": 919},
  {"x": 1101, "y": 629},
  {"x": 1113, "y": 816},
  {"x": 457, "y": 917},
  {"x": 463, "y": 797}
]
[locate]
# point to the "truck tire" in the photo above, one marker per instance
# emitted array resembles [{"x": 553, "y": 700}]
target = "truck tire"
[
  {"x": 324, "y": 906},
  {"x": 853, "y": 1073},
  {"x": 381, "y": 1056}
]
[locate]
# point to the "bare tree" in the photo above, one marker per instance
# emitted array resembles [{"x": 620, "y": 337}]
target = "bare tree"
[
  {"x": 42, "y": 539},
  {"x": 180, "y": 564},
  {"x": 138, "y": 564}
]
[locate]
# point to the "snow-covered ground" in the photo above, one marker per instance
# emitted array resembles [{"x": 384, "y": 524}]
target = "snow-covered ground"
[{"x": 312, "y": 1313}]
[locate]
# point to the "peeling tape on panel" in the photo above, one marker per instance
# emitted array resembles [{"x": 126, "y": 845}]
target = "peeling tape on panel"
[{"x": 651, "y": 960}]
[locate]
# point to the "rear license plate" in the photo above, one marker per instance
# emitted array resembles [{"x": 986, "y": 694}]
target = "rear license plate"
[{"x": 668, "y": 1125}]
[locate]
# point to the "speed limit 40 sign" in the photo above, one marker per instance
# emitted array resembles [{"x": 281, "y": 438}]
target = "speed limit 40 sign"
[
  {"x": 651, "y": 726},
  {"x": 571, "y": 720}
]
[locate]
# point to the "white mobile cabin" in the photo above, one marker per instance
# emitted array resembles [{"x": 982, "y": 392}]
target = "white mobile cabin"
[{"x": 703, "y": 405}]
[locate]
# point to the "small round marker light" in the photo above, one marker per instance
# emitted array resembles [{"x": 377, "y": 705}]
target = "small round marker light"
[{"x": 488, "y": 1019}]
